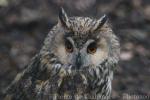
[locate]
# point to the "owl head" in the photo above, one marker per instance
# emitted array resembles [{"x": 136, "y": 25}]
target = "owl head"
[{"x": 82, "y": 41}]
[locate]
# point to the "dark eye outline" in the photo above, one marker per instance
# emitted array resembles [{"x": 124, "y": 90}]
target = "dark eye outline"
[
  {"x": 92, "y": 48},
  {"x": 68, "y": 46}
]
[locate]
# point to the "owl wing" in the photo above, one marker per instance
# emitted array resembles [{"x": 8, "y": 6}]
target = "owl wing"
[{"x": 22, "y": 86}]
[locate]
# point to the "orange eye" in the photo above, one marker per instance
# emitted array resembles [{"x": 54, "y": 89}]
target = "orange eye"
[
  {"x": 92, "y": 48},
  {"x": 68, "y": 46}
]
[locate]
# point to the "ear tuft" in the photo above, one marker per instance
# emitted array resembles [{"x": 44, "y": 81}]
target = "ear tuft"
[
  {"x": 101, "y": 22},
  {"x": 63, "y": 17}
]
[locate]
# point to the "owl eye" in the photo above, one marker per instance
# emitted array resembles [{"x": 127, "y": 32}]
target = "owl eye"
[
  {"x": 68, "y": 46},
  {"x": 92, "y": 48}
]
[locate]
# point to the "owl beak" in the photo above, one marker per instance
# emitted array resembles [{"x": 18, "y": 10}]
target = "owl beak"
[{"x": 78, "y": 61}]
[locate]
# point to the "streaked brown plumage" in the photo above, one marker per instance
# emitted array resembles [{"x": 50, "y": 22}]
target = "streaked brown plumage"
[{"x": 76, "y": 62}]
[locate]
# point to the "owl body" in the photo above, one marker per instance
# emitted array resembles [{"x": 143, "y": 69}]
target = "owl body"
[{"x": 76, "y": 62}]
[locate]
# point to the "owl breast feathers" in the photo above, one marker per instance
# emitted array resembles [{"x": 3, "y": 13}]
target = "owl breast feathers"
[{"x": 76, "y": 62}]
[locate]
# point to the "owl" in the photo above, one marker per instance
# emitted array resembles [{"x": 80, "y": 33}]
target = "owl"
[{"x": 76, "y": 62}]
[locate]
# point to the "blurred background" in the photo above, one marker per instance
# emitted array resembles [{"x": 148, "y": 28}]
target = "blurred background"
[{"x": 25, "y": 23}]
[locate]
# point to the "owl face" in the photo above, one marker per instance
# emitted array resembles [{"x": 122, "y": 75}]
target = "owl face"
[
  {"x": 81, "y": 42},
  {"x": 82, "y": 51}
]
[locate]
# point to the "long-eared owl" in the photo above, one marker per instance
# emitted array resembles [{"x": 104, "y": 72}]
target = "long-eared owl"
[{"x": 76, "y": 62}]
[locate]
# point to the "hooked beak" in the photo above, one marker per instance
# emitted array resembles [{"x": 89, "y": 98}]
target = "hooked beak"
[{"x": 78, "y": 61}]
